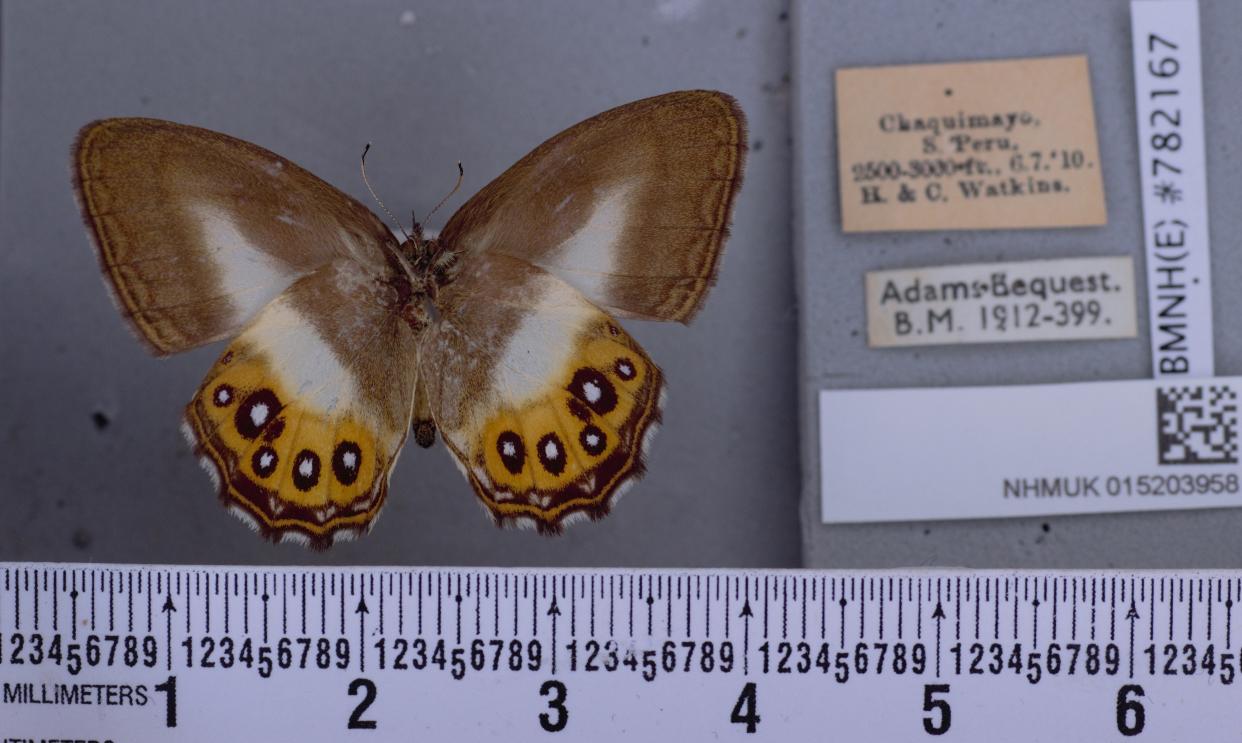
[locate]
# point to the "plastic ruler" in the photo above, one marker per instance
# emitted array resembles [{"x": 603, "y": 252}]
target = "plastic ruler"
[{"x": 213, "y": 653}]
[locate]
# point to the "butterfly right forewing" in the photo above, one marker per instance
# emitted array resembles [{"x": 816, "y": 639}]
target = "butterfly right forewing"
[{"x": 631, "y": 206}]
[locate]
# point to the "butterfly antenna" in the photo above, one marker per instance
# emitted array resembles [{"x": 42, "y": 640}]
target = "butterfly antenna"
[
  {"x": 461, "y": 173},
  {"x": 365, "y": 150}
]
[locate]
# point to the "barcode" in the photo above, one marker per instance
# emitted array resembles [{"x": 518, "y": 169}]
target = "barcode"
[{"x": 1198, "y": 424}]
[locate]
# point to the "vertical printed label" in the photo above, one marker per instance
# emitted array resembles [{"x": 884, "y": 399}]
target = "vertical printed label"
[{"x": 1168, "y": 90}]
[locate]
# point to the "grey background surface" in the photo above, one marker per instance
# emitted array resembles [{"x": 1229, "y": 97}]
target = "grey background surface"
[
  {"x": 94, "y": 467},
  {"x": 834, "y": 354}
]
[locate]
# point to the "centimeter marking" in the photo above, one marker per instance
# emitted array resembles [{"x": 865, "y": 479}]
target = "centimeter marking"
[{"x": 195, "y": 653}]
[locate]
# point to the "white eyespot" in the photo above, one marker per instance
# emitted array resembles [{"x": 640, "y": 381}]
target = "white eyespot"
[
  {"x": 265, "y": 460},
  {"x": 592, "y": 391},
  {"x": 592, "y": 439},
  {"x": 625, "y": 369},
  {"x": 550, "y": 450},
  {"x": 509, "y": 449},
  {"x": 350, "y": 460},
  {"x": 306, "y": 467},
  {"x": 223, "y": 396},
  {"x": 258, "y": 414}
]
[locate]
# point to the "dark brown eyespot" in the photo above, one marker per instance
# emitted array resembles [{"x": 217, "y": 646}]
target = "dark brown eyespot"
[
  {"x": 264, "y": 461},
  {"x": 593, "y": 440},
  {"x": 305, "y": 470},
  {"x": 551, "y": 453},
  {"x": 594, "y": 389},
  {"x": 259, "y": 409},
  {"x": 223, "y": 396},
  {"x": 346, "y": 462},
  {"x": 512, "y": 451},
  {"x": 625, "y": 368}
]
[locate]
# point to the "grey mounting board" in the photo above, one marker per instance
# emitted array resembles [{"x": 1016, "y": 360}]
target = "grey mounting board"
[
  {"x": 831, "y": 264},
  {"x": 94, "y": 467}
]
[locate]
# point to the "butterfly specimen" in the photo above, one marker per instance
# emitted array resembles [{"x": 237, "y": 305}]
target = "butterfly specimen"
[{"x": 500, "y": 333}]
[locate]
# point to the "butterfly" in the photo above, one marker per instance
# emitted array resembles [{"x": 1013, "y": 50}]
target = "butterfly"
[{"x": 501, "y": 333}]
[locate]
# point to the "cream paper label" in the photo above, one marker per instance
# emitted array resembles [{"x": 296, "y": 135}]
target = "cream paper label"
[{"x": 975, "y": 145}]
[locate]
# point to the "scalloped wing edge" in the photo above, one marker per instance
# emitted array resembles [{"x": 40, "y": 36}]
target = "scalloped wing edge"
[{"x": 317, "y": 542}]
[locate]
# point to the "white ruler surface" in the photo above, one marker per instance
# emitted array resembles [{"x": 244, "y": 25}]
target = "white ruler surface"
[{"x": 109, "y": 653}]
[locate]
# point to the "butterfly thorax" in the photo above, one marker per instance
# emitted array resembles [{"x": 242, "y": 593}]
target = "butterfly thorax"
[
  {"x": 431, "y": 266},
  {"x": 432, "y": 261}
]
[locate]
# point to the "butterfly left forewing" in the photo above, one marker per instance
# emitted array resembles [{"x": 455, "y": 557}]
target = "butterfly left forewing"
[
  {"x": 303, "y": 416},
  {"x": 542, "y": 397},
  {"x": 196, "y": 231}
]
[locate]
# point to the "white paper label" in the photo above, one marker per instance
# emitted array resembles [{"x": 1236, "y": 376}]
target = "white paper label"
[
  {"x": 981, "y": 452},
  {"x": 1168, "y": 91},
  {"x": 1069, "y": 299}
]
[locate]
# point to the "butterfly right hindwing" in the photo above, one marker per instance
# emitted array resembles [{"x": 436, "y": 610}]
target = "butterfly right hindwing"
[{"x": 545, "y": 401}]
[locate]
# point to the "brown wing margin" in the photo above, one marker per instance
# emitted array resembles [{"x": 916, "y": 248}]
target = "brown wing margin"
[{"x": 688, "y": 151}]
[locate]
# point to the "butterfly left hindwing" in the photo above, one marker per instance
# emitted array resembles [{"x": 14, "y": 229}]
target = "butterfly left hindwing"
[{"x": 304, "y": 414}]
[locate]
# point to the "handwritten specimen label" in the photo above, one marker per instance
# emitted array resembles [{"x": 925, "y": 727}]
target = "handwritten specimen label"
[{"x": 974, "y": 145}]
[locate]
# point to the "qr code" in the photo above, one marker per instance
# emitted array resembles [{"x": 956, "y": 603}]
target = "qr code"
[{"x": 1198, "y": 425}]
